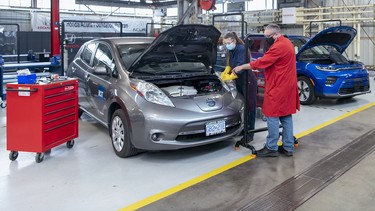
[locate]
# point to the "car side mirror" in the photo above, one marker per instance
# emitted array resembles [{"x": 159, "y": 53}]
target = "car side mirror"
[{"x": 100, "y": 70}]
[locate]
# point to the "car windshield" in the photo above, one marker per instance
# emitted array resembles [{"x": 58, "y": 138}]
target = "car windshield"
[
  {"x": 171, "y": 67},
  {"x": 317, "y": 52},
  {"x": 130, "y": 52}
]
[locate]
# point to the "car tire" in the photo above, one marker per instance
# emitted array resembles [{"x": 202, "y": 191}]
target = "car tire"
[
  {"x": 306, "y": 90},
  {"x": 120, "y": 136}
]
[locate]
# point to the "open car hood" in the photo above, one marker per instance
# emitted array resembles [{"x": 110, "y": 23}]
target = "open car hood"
[
  {"x": 182, "y": 43},
  {"x": 338, "y": 37}
]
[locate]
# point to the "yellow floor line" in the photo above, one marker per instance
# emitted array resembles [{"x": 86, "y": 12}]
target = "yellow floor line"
[
  {"x": 187, "y": 184},
  {"x": 226, "y": 167},
  {"x": 334, "y": 120}
]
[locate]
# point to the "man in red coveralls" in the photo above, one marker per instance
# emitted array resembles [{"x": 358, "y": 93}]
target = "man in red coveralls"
[{"x": 281, "y": 93}]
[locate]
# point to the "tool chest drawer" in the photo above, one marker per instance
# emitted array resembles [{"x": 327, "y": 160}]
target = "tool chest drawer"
[
  {"x": 60, "y": 97},
  {"x": 59, "y": 113},
  {"x": 64, "y": 131},
  {"x": 61, "y": 88}
]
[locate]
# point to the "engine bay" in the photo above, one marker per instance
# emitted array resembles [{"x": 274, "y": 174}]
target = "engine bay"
[{"x": 189, "y": 86}]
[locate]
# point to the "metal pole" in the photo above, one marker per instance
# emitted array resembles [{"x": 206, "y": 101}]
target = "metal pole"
[
  {"x": 358, "y": 41},
  {"x": 246, "y": 82},
  {"x": 55, "y": 27},
  {"x": 186, "y": 13},
  {"x": 180, "y": 9},
  {"x": 359, "y": 38}
]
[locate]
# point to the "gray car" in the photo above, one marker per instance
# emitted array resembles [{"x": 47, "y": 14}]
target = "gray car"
[{"x": 157, "y": 93}]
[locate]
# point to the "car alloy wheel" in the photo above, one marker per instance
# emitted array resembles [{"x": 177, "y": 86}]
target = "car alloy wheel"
[
  {"x": 120, "y": 135},
  {"x": 117, "y": 133},
  {"x": 306, "y": 91}
]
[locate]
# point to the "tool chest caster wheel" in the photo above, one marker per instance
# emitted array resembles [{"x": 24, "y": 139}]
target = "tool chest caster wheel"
[
  {"x": 3, "y": 105},
  {"x": 39, "y": 157},
  {"x": 13, "y": 155},
  {"x": 70, "y": 144}
]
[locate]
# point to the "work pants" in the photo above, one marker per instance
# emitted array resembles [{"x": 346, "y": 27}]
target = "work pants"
[{"x": 273, "y": 132}]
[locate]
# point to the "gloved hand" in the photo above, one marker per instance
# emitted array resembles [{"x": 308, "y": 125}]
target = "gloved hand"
[{"x": 227, "y": 74}]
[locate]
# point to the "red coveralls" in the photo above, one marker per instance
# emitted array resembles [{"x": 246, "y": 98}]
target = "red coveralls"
[{"x": 281, "y": 92}]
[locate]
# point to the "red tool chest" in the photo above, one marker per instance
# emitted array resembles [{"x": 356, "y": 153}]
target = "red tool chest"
[{"x": 41, "y": 116}]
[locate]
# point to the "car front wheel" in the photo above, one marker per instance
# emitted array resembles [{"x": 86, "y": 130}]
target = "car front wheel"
[
  {"x": 120, "y": 135},
  {"x": 306, "y": 91}
]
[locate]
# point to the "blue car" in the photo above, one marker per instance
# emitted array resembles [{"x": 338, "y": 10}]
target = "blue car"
[{"x": 322, "y": 70}]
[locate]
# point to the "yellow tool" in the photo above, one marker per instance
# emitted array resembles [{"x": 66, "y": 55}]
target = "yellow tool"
[{"x": 227, "y": 74}]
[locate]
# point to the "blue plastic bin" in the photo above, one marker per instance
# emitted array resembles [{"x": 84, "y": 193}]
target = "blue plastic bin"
[{"x": 27, "y": 79}]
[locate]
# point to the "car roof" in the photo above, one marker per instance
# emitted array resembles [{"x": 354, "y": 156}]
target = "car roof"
[
  {"x": 288, "y": 35},
  {"x": 127, "y": 40}
]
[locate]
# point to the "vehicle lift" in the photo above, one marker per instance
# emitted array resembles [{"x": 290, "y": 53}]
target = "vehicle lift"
[{"x": 244, "y": 142}]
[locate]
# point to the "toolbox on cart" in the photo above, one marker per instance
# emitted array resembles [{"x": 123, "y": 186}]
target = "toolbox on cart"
[
  {"x": 41, "y": 116},
  {"x": 27, "y": 79}
]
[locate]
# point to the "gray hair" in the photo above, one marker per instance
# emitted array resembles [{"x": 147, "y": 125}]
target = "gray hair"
[{"x": 273, "y": 27}]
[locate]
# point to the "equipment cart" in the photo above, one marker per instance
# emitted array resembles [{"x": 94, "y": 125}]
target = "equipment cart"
[{"x": 41, "y": 116}]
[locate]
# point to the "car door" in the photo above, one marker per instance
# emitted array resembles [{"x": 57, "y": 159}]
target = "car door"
[
  {"x": 100, "y": 80},
  {"x": 80, "y": 68}
]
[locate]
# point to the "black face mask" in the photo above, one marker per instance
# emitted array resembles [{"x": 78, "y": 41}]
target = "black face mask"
[{"x": 270, "y": 40}]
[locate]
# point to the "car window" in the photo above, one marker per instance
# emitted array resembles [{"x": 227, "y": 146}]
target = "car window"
[
  {"x": 298, "y": 43},
  {"x": 103, "y": 58},
  {"x": 257, "y": 45},
  {"x": 87, "y": 53},
  {"x": 130, "y": 52}
]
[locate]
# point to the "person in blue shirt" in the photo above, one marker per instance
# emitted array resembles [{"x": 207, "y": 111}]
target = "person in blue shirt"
[{"x": 236, "y": 55}]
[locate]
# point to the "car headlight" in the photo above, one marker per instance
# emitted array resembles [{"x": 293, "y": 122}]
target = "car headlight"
[
  {"x": 329, "y": 68},
  {"x": 151, "y": 93},
  {"x": 230, "y": 86}
]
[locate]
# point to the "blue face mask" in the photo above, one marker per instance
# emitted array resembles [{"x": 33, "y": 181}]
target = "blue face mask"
[{"x": 230, "y": 46}]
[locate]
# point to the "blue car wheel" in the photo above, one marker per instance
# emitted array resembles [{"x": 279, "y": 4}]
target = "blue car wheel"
[{"x": 306, "y": 90}]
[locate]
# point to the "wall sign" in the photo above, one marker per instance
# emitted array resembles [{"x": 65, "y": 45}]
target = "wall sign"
[
  {"x": 289, "y": 15},
  {"x": 41, "y": 22}
]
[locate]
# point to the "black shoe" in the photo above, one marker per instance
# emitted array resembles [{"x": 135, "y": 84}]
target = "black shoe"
[
  {"x": 265, "y": 152},
  {"x": 283, "y": 151}
]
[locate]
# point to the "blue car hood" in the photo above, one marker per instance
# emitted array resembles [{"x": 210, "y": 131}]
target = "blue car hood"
[
  {"x": 338, "y": 37},
  {"x": 182, "y": 43}
]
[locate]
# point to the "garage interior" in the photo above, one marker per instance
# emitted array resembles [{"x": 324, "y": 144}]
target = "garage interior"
[{"x": 331, "y": 169}]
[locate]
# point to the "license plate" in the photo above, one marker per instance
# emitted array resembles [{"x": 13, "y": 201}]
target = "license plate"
[{"x": 216, "y": 127}]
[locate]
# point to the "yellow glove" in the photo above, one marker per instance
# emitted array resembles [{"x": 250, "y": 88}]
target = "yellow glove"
[
  {"x": 227, "y": 74},
  {"x": 227, "y": 69}
]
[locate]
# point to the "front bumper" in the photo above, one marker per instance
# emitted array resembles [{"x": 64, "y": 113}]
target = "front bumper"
[
  {"x": 166, "y": 128},
  {"x": 346, "y": 87}
]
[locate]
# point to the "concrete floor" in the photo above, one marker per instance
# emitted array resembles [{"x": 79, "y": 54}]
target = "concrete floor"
[
  {"x": 244, "y": 184},
  {"x": 91, "y": 177}
]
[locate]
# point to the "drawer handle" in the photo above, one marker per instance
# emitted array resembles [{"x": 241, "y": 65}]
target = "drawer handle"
[{"x": 21, "y": 90}]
